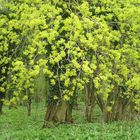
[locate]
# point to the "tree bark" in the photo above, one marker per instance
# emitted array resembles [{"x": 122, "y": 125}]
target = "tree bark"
[
  {"x": 1, "y": 105},
  {"x": 116, "y": 114},
  {"x": 29, "y": 106},
  {"x": 2, "y": 96},
  {"x": 90, "y": 101},
  {"x": 58, "y": 111}
]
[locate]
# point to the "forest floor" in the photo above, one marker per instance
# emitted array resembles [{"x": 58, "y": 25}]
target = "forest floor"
[{"x": 16, "y": 125}]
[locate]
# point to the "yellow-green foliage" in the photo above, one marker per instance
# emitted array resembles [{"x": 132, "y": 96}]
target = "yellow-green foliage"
[{"x": 71, "y": 43}]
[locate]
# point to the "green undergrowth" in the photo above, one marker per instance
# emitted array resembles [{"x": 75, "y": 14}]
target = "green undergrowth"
[{"x": 16, "y": 125}]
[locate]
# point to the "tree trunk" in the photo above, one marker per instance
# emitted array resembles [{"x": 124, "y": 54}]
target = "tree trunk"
[
  {"x": 2, "y": 96},
  {"x": 117, "y": 113},
  {"x": 60, "y": 112},
  {"x": 29, "y": 106},
  {"x": 120, "y": 111},
  {"x": 90, "y": 101},
  {"x": 1, "y": 105},
  {"x": 106, "y": 115}
]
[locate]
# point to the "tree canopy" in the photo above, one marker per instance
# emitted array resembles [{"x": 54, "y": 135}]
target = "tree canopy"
[{"x": 81, "y": 47}]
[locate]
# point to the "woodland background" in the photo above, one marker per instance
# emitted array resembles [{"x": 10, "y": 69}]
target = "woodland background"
[{"x": 71, "y": 67}]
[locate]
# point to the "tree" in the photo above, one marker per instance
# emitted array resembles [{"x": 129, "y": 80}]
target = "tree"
[{"x": 89, "y": 47}]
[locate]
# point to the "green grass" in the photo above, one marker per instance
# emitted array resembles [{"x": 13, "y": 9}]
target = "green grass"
[{"x": 16, "y": 125}]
